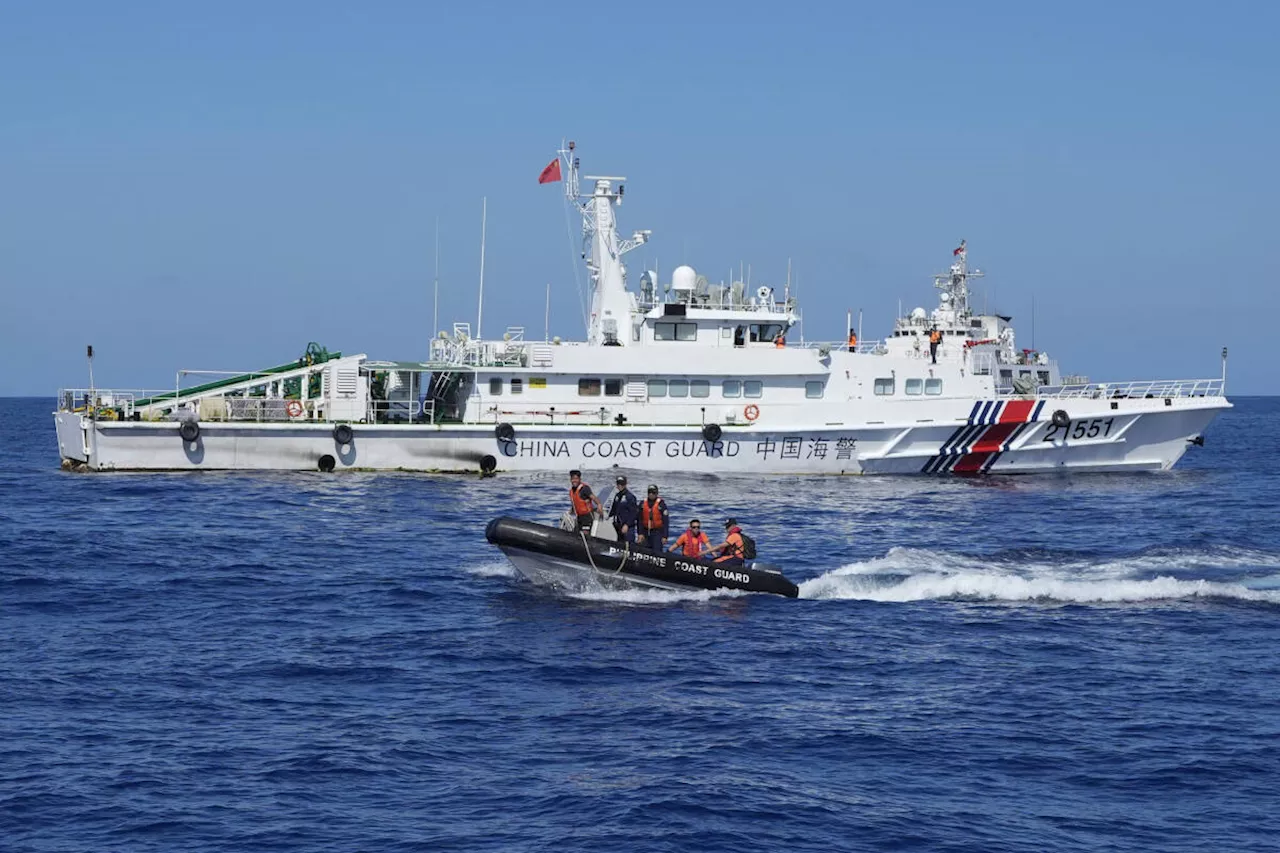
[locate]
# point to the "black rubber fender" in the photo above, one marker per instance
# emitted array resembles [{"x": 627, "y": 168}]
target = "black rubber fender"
[
  {"x": 488, "y": 464},
  {"x": 326, "y": 463},
  {"x": 504, "y": 432},
  {"x": 1061, "y": 419},
  {"x": 189, "y": 430},
  {"x": 343, "y": 433},
  {"x": 712, "y": 432}
]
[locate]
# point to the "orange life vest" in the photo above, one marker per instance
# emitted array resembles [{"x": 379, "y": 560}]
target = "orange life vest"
[
  {"x": 935, "y": 337},
  {"x": 735, "y": 548},
  {"x": 580, "y": 506},
  {"x": 853, "y": 340},
  {"x": 651, "y": 515},
  {"x": 692, "y": 545},
  {"x": 779, "y": 342}
]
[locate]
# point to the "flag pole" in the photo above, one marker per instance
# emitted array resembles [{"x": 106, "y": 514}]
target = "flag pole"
[
  {"x": 484, "y": 219},
  {"x": 435, "y": 301}
]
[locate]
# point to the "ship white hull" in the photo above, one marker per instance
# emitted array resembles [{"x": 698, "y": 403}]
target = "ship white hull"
[{"x": 1007, "y": 436}]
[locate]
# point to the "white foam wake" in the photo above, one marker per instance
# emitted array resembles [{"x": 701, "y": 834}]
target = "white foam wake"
[{"x": 912, "y": 574}]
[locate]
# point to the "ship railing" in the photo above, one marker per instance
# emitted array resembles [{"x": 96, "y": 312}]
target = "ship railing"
[
  {"x": 401, "y": 411},
  {"x": 467, "y": 352},
  {"x": 92, "y": 401},
  {"x": 1141, "y": 389},
  {"x": 121, "y": 405},
  {"x": 706, "y": 302},
  {"x": 864, "y": 347}
]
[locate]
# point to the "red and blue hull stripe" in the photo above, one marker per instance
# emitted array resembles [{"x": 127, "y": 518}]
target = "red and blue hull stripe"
[{"x": 993, "y": 425}]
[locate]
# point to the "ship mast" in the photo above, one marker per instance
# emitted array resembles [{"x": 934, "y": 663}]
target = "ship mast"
[
  {"x": 954, "y": 283},
  {"x": 611, "y": 305}
]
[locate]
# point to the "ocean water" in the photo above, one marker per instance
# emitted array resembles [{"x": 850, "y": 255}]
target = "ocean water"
[{"x": 261, "y": 662}]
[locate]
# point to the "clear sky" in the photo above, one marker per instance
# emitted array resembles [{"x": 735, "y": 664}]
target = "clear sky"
[{"x": 214, "y": 185}]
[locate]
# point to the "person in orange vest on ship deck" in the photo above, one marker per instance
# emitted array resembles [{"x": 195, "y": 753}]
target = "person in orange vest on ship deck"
[
  {"x": 780, "y": 342},
  {"x": 582, "y": 501},
  {"x": 935, "y": 338},
  {"x": 853, "y": 341},
  {"x": 693, "y": 542}
]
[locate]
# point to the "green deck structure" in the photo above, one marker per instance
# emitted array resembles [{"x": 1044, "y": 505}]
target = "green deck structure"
[{"x": 315, "y": 354}]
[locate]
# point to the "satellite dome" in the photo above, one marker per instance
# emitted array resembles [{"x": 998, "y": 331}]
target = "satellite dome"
[
  {"x": 917, "y": 314},
  {"x": 683, "y": 277}
]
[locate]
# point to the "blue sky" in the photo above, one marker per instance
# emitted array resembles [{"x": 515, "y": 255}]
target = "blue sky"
[{"x": 213, "y": 187}]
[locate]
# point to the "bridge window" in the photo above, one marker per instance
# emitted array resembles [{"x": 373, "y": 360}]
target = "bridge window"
[
  {"x": 678, "y": 388},
  {"x": 588, "y": 387},
  {"x": 613, "y": 387},
  {"x": 884, "y": 387},
  {"x": 731, "y": 388},
  {"x": 495, "y": 386},
  {"x": 915, "y": 387},
  {"x": 699, "y": 388},
  {"x": 813, "y": 390},
  {"x": 675, "y": 331},
  {"x": 933, "y": 387},
  {"x": 752, "y": 388},
  {"x": 657, "y": 387},
  {"x": 517, "y": 386}
]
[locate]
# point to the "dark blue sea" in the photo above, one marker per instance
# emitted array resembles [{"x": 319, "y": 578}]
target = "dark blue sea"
[{"x": 269, "y": 662}]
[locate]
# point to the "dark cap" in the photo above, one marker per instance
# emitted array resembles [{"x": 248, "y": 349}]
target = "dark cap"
[
  {"x": 575, "y": 473},
  {"x": 652, "y": 487},
  {"x": 731, "y": 522},
  {"x": 621, "y": 480}
]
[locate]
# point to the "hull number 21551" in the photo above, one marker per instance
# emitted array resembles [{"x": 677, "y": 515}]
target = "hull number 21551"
[{"x": 1095, "y": 428}]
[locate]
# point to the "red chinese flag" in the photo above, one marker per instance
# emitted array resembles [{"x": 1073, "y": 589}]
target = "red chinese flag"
[{"x": 551, "y": 174}]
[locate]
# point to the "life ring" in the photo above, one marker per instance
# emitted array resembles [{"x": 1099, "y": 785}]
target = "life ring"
[
  {"x": 751, "y": 412},
  {"x": 293, "y": 409}
]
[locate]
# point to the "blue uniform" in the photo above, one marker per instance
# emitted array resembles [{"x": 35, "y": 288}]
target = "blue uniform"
[{"x": 625, "y": 510}]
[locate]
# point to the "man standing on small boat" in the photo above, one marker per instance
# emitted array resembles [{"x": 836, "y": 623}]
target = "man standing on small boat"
[
  {"x": 624, "y": 511},
  {"x": 654, "y": 520},
  {"x": 583, "y": 501}
]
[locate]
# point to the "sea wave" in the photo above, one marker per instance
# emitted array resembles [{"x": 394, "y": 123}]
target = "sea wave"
[{"x": 1156, "y": 574}]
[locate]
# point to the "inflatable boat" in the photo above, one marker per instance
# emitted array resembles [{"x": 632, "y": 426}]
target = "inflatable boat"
[{"x": 563, "y": 559}]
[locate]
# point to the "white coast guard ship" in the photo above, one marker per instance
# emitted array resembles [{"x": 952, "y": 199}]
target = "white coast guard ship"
[{"x": 681, "y": 375}]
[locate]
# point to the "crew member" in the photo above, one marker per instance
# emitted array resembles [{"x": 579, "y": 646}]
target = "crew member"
[
  {"x": 732, "y": 551},
  {"x": 935, "y": 338},
  {"x": 653, "y": 520},
  {"x": 624, "y": 510},
  {"x": 583, "y": 501},
  {"x": 693, "y": 542},
  {"x": 853, "y": 341},
  {"x": 780, "y": 342}
]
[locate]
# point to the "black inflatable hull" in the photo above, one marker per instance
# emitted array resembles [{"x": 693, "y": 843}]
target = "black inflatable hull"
[{"x": 550, "y": 555}]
